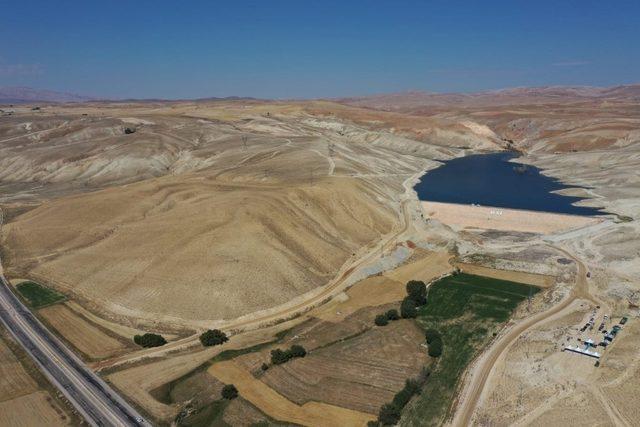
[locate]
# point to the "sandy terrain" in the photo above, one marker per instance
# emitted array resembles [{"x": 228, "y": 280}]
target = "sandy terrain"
[
  {"x": 278, "y": 407},
  {"x": 486, "y": 217}
]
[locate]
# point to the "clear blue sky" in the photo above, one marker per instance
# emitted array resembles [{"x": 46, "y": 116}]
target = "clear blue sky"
[{"x": 287, "y": 49}]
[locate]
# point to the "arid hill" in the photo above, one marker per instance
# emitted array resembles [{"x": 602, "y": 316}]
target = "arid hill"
[{"x": 191, "y": 212}]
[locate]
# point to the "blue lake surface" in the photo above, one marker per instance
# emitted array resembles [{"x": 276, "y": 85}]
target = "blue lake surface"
[{"x": 491, "y": 180}]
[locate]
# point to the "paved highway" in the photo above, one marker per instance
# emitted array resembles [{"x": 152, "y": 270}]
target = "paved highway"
[{"x": 89, "y": 394}]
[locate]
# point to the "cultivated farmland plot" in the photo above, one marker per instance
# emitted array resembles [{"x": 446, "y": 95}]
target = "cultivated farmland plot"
[{"x": 467, "y": 310}]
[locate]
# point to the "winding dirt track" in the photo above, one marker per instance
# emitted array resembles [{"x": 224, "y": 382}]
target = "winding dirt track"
[{"x": 480, "y": 373}]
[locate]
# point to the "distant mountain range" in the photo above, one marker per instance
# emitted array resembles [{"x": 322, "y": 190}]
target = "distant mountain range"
[
  {"x": 389, "y": 101},
  {"x": 406, "y": 101},
  {"x": 27, "y": 95},
  {"x": 21, "y": 95}
]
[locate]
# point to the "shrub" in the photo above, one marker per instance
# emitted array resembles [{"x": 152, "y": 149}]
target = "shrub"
[
  {"x": 213, "y": 337},
  {"x": 417, "y": 290},
  {"x": 408, "y": 308},
  {"x": 264, "y": 367},
  {"x": 402, "y": 398},
  {"x": 413, "y": 386},
  {"x": 381, "y": 320},
  {"x": 389, "y": 414},
  {"x": 297, "y": 351},
  {"x": 279, "y": 357},
  {"x": 229, "y": 392},
  {"x": 149, "y": 340},
  {"x": 435, "y": 347},
  {"x": 393, "y": 314},
  {"x": 431, "y": 334},
  {"x": 373, "y": 424}
]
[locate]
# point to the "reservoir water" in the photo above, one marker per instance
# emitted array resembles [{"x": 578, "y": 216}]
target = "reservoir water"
[{"x": 491, "y": 180}]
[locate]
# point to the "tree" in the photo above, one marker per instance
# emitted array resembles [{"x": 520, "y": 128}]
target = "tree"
[
  {"x": 393, "y": 314},
  {"x": 279, "y": 357},
  {"x": 381, "y": 320},
  {"x": 297, "y": 351},
  {"x": 402, "y": 398},
  {"x": 431, "y": 334},
  {"x": 229, "y": 392},
  {"x": 417, "y": 290},
  {"x": 264, "y": 367},
  {"x": 213, "y": 337},
  {"x": 408, "y": 308},
  {"x": 389, "y": 414},
  {"x": 149, "y": 340},
  {"x": 435, "y": 348}
]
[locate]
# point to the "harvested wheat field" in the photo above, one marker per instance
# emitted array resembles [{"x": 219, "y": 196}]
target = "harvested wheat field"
[
  {"x": 539, "y": 280},
  {"x": 278, "y": 407},
  {"x": 426, "y": 266},
  {"x": 14, "y": 380},
  {"x": 141, "y": 382},
  {"x": 35, "y": 409},
  {"x": 89, "y": 339},
  {"x": 360, "y": 373},
  {"x": 22, "y": 400},
  {"x": 386, "y": 288}
]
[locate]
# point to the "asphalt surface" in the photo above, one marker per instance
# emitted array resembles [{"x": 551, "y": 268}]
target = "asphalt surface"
[{"x": 89, "y": 394}]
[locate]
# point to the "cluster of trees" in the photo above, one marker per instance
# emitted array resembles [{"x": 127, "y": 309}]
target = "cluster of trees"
[
  {"x": 279, "y": 357},
  {"x": 149, "y": 340},
  {"x": 434, "y": 341},
  {"x": 229, "y": 392},
  {"x": 390, "y": 412},
  {"x": 416, "y": 297},
  {"x": 213, "y": 337},
  {"x": 384, "y": 318}
]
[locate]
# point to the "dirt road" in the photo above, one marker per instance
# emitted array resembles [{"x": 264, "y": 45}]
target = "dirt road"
[{"x": 479, "y": 374}]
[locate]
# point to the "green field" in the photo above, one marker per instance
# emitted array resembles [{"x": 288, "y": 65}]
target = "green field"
[
  {"x": 37, "y": 295},
  {"x": 466, "y": 310}
]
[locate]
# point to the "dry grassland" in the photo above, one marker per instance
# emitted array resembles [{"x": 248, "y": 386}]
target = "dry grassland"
[
  {"x": 278, "y": 407},
  {"x": 84, "y": 336},
  {"x": 481, "y": 217}
]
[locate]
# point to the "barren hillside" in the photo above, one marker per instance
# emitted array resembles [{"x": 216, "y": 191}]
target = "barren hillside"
[{"x": 180, "y": 212}]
